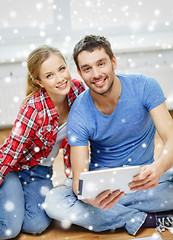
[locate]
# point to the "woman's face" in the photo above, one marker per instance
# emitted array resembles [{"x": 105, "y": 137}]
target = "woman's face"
[{"x": 54, "y": 76}]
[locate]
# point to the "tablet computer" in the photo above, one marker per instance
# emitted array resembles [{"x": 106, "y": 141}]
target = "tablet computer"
[{"x": 92, "y": 183}]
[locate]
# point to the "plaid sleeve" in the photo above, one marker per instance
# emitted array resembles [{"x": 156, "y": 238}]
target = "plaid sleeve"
[
  {"x": 24, "y": 127},
  {"x": 66, "y": 153}
]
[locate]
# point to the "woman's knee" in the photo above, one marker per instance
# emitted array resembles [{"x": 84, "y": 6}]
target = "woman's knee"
[
  {"x": 36, "y": 224},
  {"x": 9, "y": 231}
]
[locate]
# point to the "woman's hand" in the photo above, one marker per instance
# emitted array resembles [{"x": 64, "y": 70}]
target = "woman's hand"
[
  {"x": 147, "y": 178},
  {"x": 105, "y": 200}
]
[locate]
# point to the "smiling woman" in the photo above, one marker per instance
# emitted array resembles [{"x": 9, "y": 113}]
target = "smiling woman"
[{"x": 28, "y": 153}]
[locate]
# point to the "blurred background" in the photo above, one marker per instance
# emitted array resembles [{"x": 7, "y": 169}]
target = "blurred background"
[{"x": 140, "y": 32}]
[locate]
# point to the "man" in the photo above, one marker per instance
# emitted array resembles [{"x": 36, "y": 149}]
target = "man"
[{"x": 118, "y": 115}]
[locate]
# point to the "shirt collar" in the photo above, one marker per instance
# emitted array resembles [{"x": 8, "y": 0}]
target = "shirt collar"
[{"x": 52, "y": 113}]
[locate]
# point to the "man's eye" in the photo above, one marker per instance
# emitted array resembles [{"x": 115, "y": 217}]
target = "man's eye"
[
  {"x": 86, "y": 69},
  {"x": 102, "y": 64}
]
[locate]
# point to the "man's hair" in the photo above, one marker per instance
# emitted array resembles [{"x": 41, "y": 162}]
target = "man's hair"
[{"x": 89, "y": 43}]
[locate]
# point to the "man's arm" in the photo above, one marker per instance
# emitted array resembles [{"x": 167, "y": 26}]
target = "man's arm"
[
  {"x": 149, "y": 175},
  {"x": 80, "y": 163}
]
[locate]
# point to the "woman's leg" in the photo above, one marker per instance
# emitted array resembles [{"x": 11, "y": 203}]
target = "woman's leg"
[
  {"x": 11, "y": 207},
  {"x": 36, "y": 183}
]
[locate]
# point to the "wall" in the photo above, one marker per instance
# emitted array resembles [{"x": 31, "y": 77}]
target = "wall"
[{"x": 140, "y": 32}]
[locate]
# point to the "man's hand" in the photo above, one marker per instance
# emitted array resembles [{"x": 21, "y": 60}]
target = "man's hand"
[
  {"x": 147, "y": 178},
  {"x": 105, "y": 200}
]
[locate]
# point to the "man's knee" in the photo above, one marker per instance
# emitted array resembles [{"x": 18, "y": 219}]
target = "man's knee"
[{"x": 55, "y": 204}]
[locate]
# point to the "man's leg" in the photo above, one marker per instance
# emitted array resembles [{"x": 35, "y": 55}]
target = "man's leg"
[
  {"x": 130, "y": 212},
  {"x": 11, "y": 207},
  {"x": 62, "y": 204}
]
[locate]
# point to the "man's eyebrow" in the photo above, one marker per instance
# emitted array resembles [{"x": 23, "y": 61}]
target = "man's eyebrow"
[
  {"x": 85, "y": 66},
  {"x": 100, "y": 60}
]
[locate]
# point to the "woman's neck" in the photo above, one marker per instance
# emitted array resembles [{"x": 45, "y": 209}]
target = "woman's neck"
[{"x": 62, "y": 108}]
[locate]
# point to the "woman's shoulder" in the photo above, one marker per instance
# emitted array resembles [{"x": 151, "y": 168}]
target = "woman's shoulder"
[
  {"x": 77, "y": 87},
  {"x": 35, "y": 101},
  {"x": 75, "y": 83}
]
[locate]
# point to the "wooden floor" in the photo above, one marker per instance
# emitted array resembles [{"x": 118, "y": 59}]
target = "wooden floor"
[{"x": 57, "y": 232}]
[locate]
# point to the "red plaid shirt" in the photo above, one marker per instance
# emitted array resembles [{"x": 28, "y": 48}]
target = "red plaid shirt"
[{"x": 34, "y": 133}]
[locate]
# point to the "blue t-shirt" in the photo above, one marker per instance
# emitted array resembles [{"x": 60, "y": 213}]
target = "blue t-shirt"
[{"x": 126, "y": 137}]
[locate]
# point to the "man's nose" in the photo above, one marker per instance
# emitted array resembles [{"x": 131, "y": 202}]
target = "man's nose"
[{"x": 96, "y": 73}]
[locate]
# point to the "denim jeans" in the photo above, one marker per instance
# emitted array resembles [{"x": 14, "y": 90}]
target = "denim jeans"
[
  {"x": 22, "y": 195},
  {"x": 130, "y": 211}
]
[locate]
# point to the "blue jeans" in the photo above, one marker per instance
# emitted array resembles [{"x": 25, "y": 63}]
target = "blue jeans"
[
  {"x": 130, "y": 211},
  {"x": 22, "y": 195}
]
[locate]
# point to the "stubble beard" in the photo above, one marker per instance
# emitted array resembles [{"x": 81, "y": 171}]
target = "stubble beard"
[{"x": 107, "y": 91}]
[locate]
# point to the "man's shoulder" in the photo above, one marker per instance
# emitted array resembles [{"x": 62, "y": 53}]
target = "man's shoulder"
[
  {"x": 82, "y": 100},
  {"x": 134, "y": 80},
  {"x": 131, "y": 76}
]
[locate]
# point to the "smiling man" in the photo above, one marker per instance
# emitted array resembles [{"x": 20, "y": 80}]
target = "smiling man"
[{"x": 118, "y": 114}]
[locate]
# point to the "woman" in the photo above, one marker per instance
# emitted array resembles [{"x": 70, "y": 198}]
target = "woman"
[{"x": 27, "y": 154}]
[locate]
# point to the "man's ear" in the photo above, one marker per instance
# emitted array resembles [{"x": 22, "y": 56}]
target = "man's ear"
[
  {"x": 114, "y": 62},
  {"x": 79, "y": 72},
  {"x": 38, "y": 82}
]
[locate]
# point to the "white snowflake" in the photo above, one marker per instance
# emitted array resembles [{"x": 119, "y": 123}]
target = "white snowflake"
[
  {"x": 8, "y": 232},
  {"x": 165, "y": 151},
  {"x": 36, "y": 149},
  {"x": 73, "y": 139},
  {"x": 157, "y": 12},
  {"x": 67, "y": 38},
  {"x": 73, "y": 217},
  {"x": 39, "y": 6},
  {"x": 90, "y": 186},
  {"x": 7, "y": 79},
  {"x": 123, "y": 120},
  {"x": 88, "y": 3},
  {"x": 144, "y": 145},
  {"x": 90, "y": 228},
  {"x": 132, "y": 220},
  {"x": 9, "y": 206},
  {"x": 44, "y": 190},
  {"x": 65, "y": 224},
  {"x": 42, "y": 34}
]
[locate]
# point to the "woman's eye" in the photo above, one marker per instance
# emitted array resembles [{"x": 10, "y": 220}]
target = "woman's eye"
[
  {"x": 49, "y": 76},
  {"x": 62, "y": 69}
]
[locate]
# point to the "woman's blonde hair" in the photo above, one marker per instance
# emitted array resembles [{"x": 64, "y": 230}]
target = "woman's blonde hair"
[{"x": 34, "y": 62}]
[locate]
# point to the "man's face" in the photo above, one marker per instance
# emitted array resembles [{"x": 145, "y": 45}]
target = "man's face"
[{"x": 97, "y": 70}]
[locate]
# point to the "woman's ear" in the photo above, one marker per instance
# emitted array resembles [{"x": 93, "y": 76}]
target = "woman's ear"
[{"x": 38, "y": 82}]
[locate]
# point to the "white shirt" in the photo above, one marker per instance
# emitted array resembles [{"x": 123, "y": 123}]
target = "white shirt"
[{"x": 62, "y": 133}]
